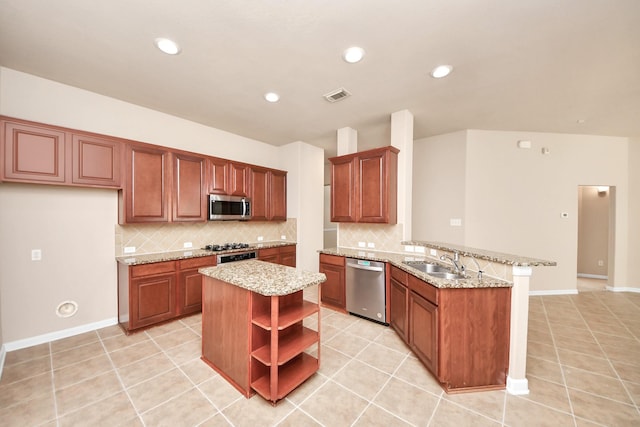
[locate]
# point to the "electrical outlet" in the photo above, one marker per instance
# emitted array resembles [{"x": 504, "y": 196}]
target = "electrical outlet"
[
  {"x": 420, "y": 249},
  {"x": 371, "y": 245},
  {"x": 600, "y": 263},
  {"x": 129, "y": 249},
  {"x": 260, "y": 238},
  {"x": 362, "y": 244},
  {"x": 409, "y": 248},
  {"x": 433, "y": 252},
  {"x": 283, "y": 237},
  {"x": 36, "y": 254},
  {"x": 187, "y": 245}
]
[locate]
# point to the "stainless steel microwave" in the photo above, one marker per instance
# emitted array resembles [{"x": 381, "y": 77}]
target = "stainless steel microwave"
[{"x": 225, "y": 208}]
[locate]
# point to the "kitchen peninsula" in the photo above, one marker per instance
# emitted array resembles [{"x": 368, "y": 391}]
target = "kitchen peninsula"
[{"x": 252, "y": 326}]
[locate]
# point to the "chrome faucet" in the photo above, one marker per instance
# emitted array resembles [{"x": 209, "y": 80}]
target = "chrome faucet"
[
  {"x": 459, "y": 268},
  {"x": 478, "y": 266}
]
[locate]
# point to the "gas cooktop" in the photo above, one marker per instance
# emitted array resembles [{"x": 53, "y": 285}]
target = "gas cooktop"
[{"x": 226, "y": 246}]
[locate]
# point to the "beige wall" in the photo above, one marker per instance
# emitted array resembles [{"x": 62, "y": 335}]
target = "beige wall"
[
  {"x": 513, "y": 198},
  {"x": 32, "y": 98},
  {"x": 439, "y": 171},
  {"x": 74, "y": 229},
  {"x": 633, "y": 247},
  {"x": 593, "y": 231}
]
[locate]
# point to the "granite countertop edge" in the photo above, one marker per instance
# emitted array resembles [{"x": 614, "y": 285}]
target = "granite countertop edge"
[
  {"x": 264, "y": 278},
  {"x": 397, "y": 260},
  {"x": 139, "y": 259}
]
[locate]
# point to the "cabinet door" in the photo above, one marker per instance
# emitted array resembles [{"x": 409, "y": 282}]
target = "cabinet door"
[
  {"x": 95, "y": 161},
  {"x": 269, "y": 255},
  {"x": 152, "y": 300},
  {"x": 218, "y": 175},
  {"x": 332, "y": 292},
  {"x": 288, "y": 256},
  {"x": 343, "y": 190},
  {"x": 189, "y": 292},
  {"x": 423, "y": 331},
  {"x": 33, "y": 153},
  {"x": 189, "y": 194},
  {"x": 377, "y": 177},
  {"x": 239, "y": 176},
  {"x": 259, "y": 194},
  {"x": 277, "y": 195},
  {"x": 399, "y": 296},
  {"x": 146, "y": 190}
]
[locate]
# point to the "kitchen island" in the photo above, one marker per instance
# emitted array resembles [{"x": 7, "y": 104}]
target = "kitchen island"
[{"x": 252, "y": 326}]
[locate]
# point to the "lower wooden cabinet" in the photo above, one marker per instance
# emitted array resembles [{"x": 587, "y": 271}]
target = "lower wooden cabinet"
[
  {"x": 423, "y": 330},
  {"x": 399, "y": 303},
  {"x": 333, "y": 292},
  {"x": 152, "y": 293},
  {"x": 283, "y": 255}
]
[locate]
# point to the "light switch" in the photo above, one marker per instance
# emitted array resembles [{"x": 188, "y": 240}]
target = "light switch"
[
  {"x": 36, "y": 254},
  {"x": 455, "y": 222}
]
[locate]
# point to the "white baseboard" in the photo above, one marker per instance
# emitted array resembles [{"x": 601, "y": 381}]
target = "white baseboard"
[
  {"x": 559, "y": 292},
  {"x": 517, "y": 387},
  {"x": 622, "y": 289},
  {"x": 592, "y": 276},
  {"x": 3, "y": 354},
  {"x": 52, "y": 336}
]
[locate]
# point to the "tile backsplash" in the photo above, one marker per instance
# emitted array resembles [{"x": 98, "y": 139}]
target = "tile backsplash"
[
  {"x": 154, "y": 238},
  {"x": 385, "y": 237}
]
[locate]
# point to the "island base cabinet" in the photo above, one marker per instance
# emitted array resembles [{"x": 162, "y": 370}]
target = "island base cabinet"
[{"x": 259, "y": 344}]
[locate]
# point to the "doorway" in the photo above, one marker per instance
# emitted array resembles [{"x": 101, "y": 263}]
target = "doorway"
[{"x": 595, "y": 237}]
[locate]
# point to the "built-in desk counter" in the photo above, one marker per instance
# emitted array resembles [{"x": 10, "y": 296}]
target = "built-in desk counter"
[{"x": 252, "y": 326}]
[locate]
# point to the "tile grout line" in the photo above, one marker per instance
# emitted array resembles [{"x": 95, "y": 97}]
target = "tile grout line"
[{"x": 555, "y": 348}]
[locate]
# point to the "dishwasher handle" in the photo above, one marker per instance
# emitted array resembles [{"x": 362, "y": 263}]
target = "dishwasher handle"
[{"x": 363, "y": 267}]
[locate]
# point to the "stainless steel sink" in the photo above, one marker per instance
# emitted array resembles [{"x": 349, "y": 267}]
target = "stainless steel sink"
[
  {"x": 427, "y": 267},
  {"x": 447, "y": 275}
]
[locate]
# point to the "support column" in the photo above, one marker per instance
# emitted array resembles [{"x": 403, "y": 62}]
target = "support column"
[
  {"x": 517, "y": 382},
  {"x": 402, "y": 139},
  {"x": 347, "y": 141}
]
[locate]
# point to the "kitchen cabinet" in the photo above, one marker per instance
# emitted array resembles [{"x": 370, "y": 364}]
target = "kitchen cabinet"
[
  {"x": 239, "y": 179},
  {"x": 333, "y": 292},
  {"x": 284, "y": 255},
  {"x": 399, "y": 302},
  {"x": 145, "y": 195},
  {"x": 364, "y": 186},
  {"x": 218, "y": 171},
  {"x": 268, "y": 194},
  {"x": 189, "y": 199},
  {"x": 153, "y": 293},
  {"x": 423, "y": 330},
  {"x": 43, "y": 154},
  {"x": 95, "y": 160}
]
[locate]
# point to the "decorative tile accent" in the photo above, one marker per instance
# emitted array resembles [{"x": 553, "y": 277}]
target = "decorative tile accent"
[{"x": 154, "y": 238}]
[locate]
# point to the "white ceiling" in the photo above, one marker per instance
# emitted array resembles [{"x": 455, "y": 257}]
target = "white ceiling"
[{"x": 528, "y": 65}]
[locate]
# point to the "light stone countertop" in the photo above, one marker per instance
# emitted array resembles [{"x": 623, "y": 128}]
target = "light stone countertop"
[
  {"x": 398, "y": 260},
  {"x": 134, "y": 259},
  {"x": 264, "y": 278},
  {"x": 499, "y": 257}
]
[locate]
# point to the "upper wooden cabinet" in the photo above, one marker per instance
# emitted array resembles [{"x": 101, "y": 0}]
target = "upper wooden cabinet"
[
  {"x": 218, "y": 172},
  {"x": 189, "y": 199},
  {"x": 268, "y": 194},
  {"x": 39, "y": 153},
  {"x": 364, "y": 186},
  {"x": 95, "y": 160},
  {"x": 144, "y": 196},
  {"x": 239, "y": 178}
]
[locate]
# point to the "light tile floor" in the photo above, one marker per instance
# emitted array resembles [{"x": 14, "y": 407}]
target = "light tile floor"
[{"x": 583, "y": 370}]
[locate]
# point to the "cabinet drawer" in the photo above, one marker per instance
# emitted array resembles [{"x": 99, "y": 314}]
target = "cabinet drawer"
[
  {"x": 206, "y": 261},
  {"x": 423, "y": 289},
  {"x": 399, "y": 275},
  {"x": 332, "y": 259},
  {"x": 151, "y": 269},
  {"x": 264, "y": 253},
  {"x": 290, "y": 249}
]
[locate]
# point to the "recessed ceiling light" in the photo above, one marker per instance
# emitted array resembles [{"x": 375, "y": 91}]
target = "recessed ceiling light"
[
  {"x": 167, "y": 46},
  {"x": 272, "y": 97},
  {"x": 353, "y": 54},
  {"x": 441, "y": 71}
]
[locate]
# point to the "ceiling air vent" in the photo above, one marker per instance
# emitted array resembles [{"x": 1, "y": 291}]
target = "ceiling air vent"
[{"x": 337, "y": 95}]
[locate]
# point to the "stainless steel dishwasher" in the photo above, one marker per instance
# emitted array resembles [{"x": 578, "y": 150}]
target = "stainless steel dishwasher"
[{"x": 365, "y": 289}]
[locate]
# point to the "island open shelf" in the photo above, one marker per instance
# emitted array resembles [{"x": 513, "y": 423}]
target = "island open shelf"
[{"x": 269, "y": 344}]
